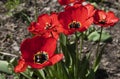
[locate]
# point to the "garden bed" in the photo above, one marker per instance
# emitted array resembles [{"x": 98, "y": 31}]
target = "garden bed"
[{"x": 13, "y": 29}]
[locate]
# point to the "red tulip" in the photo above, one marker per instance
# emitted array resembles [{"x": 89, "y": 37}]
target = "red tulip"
[
  {"x": 47, "y": 26},
  {"x": 105, "y": 19},
  {"x": 91, "y": 10},
  {"x": 76, "y": 18},
  {"x": 38, "y": 52}
]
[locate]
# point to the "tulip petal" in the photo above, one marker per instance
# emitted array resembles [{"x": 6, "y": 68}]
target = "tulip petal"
[
  {"x": 39, "y": 66},
  {"x": 56, "y": 58},
  {"x": 49, "y": 46},
  {"x": 111, "y": 18},
  {"x": 21, "y": 67},
  {"x": 31, "y": 46}
]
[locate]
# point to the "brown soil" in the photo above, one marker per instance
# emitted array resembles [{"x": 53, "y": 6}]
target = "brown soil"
[{"x": 13, "y": 29}]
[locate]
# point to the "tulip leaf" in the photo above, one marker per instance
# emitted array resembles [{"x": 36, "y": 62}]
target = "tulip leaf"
[
  {"x": 4, "y": 67},
  {"x": 98, "y": 59},
  {"x": 94, "y": 36},
  {"x": 83, "y": 69},
  {"x": 91, "y": 74},
  {"x": 40, "y": 73},
  {"x": 106, "y": 37},
  {"x": 63, "y": 39},
  {"x": 25, "y": 75},
  {"x": 71, "y": 48}
]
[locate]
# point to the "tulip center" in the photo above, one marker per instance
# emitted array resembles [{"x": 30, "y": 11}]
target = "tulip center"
[
  {"x": 40, "y": 57},
  {"x": 74, "y": 24},
  {"x": 102, "y": 21},
  {"x": 48, "y": 26}
]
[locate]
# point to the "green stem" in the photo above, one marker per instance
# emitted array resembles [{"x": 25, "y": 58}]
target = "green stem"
[
  {"x": 81, "y": 45},
  {"x": 78, "y": 53},
  {"x": 97, "y": 51},
  {"x": 96, "y": 63},
  {"x": 76, "y": 60}
]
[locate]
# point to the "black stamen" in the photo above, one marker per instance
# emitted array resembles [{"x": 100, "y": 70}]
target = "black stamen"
[
  {"x": 74, "y": 24},
  {"x": 48, "y": 26},
  {"x": 102, "y": 21},
  {"x": 40, "y": 57}
]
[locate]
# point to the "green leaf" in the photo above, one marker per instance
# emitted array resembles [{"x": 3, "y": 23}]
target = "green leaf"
[
  {"x": 26, "y": 75},
  {"x": 91, "y": 74},
  {"x": 83, "y": 67},
  {"x": 98, "y": 59},
  {"x": 106, "y": 36},
  {"x": 71, "y": 48},
  {"x": 4, "y": 67},
  {"x": 63, "y": 39},
  {"x": 40, "y": 73},
  {"x": 94, "y": 36},
  {"x": 29, "y": 72},
  {"x": 67, "y": 56},
  {"x": 65, "y": 70},
  {"x": 78, "y": 34}
]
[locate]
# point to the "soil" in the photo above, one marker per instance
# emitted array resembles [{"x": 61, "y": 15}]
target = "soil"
[{"x": 13, "y": 29}]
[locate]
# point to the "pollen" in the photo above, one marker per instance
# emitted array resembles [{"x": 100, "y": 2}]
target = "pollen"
[
  {"x": 48, "y": 26},
  {"x": 74, "y": 24},
  {"x": 41, "y": 57}
]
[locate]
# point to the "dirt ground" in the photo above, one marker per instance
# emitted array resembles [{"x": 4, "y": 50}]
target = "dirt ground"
[{"x": 13, "y": 29}]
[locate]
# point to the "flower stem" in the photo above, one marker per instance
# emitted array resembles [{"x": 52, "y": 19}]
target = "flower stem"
[
  {"x": 78, "y": 54},
  {"x": 77, "y": 57},
  {"x": 98, "y": 55},
  {"x": 81, "y": 45},
  {"x": 97, "y": 51}
]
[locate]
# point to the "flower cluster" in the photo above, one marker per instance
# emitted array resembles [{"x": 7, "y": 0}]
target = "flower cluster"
[{"x": 39, "y": 51}]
